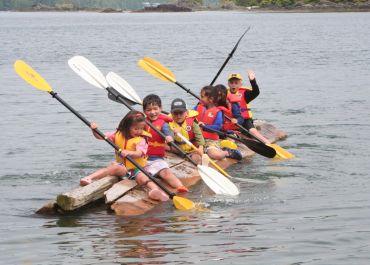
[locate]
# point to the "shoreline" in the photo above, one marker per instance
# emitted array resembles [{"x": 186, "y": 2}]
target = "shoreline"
[{"x": 337, "y": 8}]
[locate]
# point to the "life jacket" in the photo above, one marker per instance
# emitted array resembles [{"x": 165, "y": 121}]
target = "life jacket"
[
  {"x": 227, "y": 124},
  {"x": 208, "y": 116},
  {"x": 129, "y": 145},
  {"x": 157, "y": 144},
  {"x": 186, "y": 131},
  {"x": 238, "y": 97}
]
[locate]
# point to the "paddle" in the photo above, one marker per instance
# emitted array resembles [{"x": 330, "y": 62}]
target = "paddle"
[
  {"x": 206, "y": 159},
  {"x": 155, "y": 68},
  {"x": 281, "y": 152},
  {"x": 196, "y": 149},
  {"x": 28, "y": 74},
  {"x": 253, "y": 145},
  {"x": 116, "y": 81},
  {"x": 229, "y": 57},
  {"x": 89, "y": 72},
  {"x": 158, "y": 70}
]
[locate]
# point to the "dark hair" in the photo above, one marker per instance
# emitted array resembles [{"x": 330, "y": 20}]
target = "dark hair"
[
  {"x": 210, "y": 92},
  {"x": 221, "y": 91},
  {"x": 131, "y": 118},
  {"x": 152, "y": 99}
]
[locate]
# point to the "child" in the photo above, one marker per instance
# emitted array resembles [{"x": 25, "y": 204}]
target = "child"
[
  {"x": 129, "y": 137},
  {"x": 185, "y": 124},
  {"x": 224, "y": 105},
  {"x": 210, "y": 116},
  {"x": 152, "y": 106},
  {"x": 240, "y": 97}
]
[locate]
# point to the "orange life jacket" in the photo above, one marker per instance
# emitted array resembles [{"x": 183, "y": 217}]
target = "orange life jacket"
[
  {"x": 208, "y": 116},
  {"x": 157, "y": 143},
  {"x": 238, "y": 97},
  {"x": 129, "y": 145}
]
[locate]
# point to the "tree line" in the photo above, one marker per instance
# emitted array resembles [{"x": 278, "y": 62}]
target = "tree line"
[{"x": 117, "y": 4}]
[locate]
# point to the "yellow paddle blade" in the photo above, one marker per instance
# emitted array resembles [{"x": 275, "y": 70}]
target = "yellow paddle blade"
[
  {"x": 156, "y": 69},
  {"x": 281, "y": 152},
  {"x": 29, "y": 75},
  {"x": 182, "y": 203},
  {"x": 228, "y": 144}
]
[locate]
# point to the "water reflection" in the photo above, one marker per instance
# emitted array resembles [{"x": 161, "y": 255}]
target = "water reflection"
[
  {"x": 162, "y": 237},
  {"x": 151, "y": 228}
]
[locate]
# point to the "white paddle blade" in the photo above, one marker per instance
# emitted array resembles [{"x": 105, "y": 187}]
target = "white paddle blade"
[
  {"x": 88, "y": 71},
  {"x": 217, "y": 182},
  {"x": 124, "y": 88}
]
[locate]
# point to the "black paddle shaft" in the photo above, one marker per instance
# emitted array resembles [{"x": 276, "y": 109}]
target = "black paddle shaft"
[
  {"x": 55, "y": 95},
  {"x": 123, "y": 100},
  {"x": 229, "y": 57},
  {"x": 257, "y": 147}
]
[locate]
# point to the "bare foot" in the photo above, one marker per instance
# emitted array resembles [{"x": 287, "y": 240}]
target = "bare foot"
[
  {"x": 158, "y": 195},
  {"x": 85, "y": 181}
]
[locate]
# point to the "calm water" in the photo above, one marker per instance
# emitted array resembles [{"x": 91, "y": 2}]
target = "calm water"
[{"x": 314, "y": 74}]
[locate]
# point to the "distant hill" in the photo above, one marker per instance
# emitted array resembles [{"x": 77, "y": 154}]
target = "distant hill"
[{"x": 77, "y": 4}]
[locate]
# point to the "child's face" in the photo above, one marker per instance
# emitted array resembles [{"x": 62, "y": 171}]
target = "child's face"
[
  {"x": 203, "y": 98},
  {"x": 137, "y": 129},
  {"x": 234, "y": 84},
  {"x": 179, "y": 116},
  {"x": 153, "y": 112}
]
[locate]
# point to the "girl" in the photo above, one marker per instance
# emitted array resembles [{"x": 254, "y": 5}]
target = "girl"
[
  {"x": 224, "y": 105},
  {"x": 210, "y": 116},
  {"x": 130, "y": 137}
]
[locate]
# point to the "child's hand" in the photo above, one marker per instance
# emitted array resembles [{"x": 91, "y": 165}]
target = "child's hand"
[
  {"x": 124, "y": 153},
  {"x": 93, "y": 126},
  {"x": 251, "y": 75},
  {"x": 234, "y": 121},
  {"x": 168, "y": 139},
  {"x": 200, "y": 123}
]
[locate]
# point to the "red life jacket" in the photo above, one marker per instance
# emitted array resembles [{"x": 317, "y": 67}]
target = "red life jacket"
[
  {"x": 238, "y": 97},
  {"x": 157, "y": 144},
  {"x": 227, "y": 125},
  {"x": 208, "y": 116}
]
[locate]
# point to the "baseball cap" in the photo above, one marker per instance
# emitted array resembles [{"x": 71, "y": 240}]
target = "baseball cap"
[
  {"x": 235, "y": 76},
  {"x": 178, "y": 105}
]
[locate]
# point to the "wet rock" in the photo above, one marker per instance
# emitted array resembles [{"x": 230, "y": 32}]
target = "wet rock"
[{"x": 166, "y": 8}]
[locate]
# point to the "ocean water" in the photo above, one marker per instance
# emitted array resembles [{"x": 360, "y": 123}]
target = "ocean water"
[{"x": 314, "y": 73}]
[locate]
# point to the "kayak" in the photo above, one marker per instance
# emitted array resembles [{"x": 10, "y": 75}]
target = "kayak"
[{"x": 126, "y": 198}]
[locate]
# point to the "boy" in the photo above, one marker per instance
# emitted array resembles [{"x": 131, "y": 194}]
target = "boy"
[
  {"x": 240, "y": 97},
  {"x": 183, "y": 122},
  {"x": 152, "y": 106}
]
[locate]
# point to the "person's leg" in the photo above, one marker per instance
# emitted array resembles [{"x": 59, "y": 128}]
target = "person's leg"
[
  {"x": 154, "y": 191},
  {"x": 114, "y": 169},
  {"x": 216, "y": 153},
  {"x": 167, "y": 175},
  {"x": 248, "y": 124},
  {"x": 162, "y": 169},
  {"x": 196, "y": 157},
  {"x": 257, "y": 134}
]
